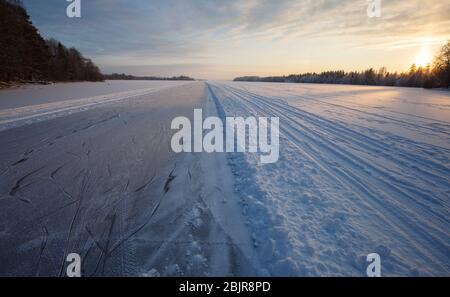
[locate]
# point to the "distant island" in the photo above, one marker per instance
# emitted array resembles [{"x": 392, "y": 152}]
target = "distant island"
[
  {"x": 26, "y": 57},
  {"x": 427, "y": 77},
  {"x": 122, "y": 76}
]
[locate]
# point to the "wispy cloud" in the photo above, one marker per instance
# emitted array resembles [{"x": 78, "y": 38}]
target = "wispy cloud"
[{"x": 119, "y": 33}]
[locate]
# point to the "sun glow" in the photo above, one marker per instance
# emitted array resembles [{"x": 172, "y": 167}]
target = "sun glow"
[{"x": 424, "y": 58}]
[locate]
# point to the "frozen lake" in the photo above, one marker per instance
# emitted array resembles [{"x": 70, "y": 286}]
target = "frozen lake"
[
  {"x": 87, "y": 168},
  {"x": 362, "y": 169},
  {"x": 41, "y": 94}
]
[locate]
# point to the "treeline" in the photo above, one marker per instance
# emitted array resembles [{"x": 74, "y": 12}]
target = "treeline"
[
  {"x": 68, "y": 64},
  {"x": 26, "y": 56},
  {"x": 122, "y": 76},
  {"x": 437, "y": 76}
]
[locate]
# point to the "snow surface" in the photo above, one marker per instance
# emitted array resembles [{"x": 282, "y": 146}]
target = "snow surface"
[
  {"x": 87, "y": 168},
  {"x": 101, "y": 181},
  {"x": 30, "y": 104},
  {"x": 361, "y": 170}
]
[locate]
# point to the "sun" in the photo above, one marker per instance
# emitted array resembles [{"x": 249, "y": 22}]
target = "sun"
[{"x": 424, "y": 58}]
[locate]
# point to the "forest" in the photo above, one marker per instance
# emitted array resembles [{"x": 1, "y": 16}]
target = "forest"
[
  {"x": 27, "y": 57},
  {"x": 122, "y": 76},
  {"x": 431, "y": 76}
]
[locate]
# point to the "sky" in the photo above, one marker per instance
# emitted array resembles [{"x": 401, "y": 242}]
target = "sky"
[{"x": 223, "y": 39}]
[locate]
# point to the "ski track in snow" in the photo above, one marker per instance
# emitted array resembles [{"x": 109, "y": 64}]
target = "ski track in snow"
[
  {"x": 16, "y": 117},
  {"x": 361, "y": 170}
]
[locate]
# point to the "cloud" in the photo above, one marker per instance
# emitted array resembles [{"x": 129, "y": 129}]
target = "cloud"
[{"x": 195, "y": 32}]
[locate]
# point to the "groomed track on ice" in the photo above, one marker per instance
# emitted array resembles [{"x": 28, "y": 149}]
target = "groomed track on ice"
[
  {"x": 88, "y": 168},
  {"x": 362, "y": 170}
]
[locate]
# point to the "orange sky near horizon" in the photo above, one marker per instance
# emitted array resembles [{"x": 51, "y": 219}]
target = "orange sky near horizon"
[{"x": 216, "y": 39}]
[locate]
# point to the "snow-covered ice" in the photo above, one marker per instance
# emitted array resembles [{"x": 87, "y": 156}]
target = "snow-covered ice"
[
  {"x": 38, "y": 103},
  {"x": 362, "y": 170},
  {"x": 87, "y": 168},
  {"x": 100, "y": 180}
]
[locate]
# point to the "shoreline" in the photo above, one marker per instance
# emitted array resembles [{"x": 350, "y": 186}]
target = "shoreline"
[{"x": 16, "y": 85}]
